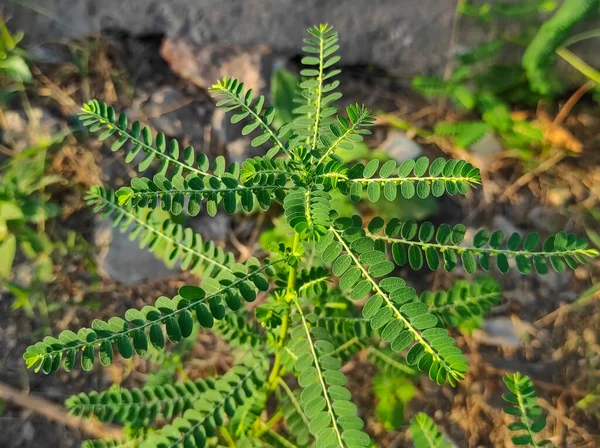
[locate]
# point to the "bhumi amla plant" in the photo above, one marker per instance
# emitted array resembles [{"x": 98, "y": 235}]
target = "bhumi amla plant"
[{"x": 332, "y": 258}]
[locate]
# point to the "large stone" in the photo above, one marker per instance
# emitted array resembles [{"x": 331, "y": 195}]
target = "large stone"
[
  {"x": 122, "y": 260},
  {"x": 400, "y": 147},
  {"x": 410, "y": 36},
  {"x": 402, "y": 36},
  {"x": 205, "y": 64}
]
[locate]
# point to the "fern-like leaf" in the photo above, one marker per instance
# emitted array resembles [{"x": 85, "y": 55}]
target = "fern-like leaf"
[
  {"x": 318, "y": 89},
  {"x": 99, "y": 117},
  {"x": 425, "y": 433},
  {"x": 247, "y": 415},
  {"x": 168, "y": 241},
  {"x": 346, "y": 132},
  {"x": 133, "y": 333},
  {"x": 171, "y": 194},
  {"x": 523, "y": 399},
  {"x": 443, "y": 176},
  {"x": 394, "y": 309},
  {"x": 239, "y": 331},
  {"x": 210, "y": 411},
  {"x": 416, "y": 245},
  {"x": 234, "y": 97},
  {"x": 464, "y": 133},
  {"x": 463, "y": 301},
  {"x": 313, "y": 282},
  {"x": 140, "y": 405},
  {"x": 326, "y": 402}
]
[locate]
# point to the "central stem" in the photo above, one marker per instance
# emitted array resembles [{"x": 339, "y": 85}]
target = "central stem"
[{"x": 290, "y": 294}]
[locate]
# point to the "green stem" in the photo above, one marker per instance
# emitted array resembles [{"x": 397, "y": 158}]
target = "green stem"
[
  {"x": 227, "y": 437},
  {"x": 264, "y": 427},
  {"x": 525, "y": 418},
  {"x": 590, "y": 34},
  {"x": 579, "y": 64},
  {"x": 290, "y": 294},
  {"x": 319, "y": 94},
  {"x": 293, "y": 400}
]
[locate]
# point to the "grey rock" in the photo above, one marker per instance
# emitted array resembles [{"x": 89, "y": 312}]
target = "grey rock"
[
  {"x": 204, "y": 64},
  {"x": 395, "y": 36},
  {"x": 215, "y": 229},
  {"x": 122, "y": 260},
  {"x": 399, "y": 147},
  {"x": 502, "y": 223},
  {"x": 171, "y": 111},
  {"x": 502, "y": 332},
  {"x": 487, "y": 146},
  {"x": 410, "y": 36},
  {"x": 25, "y": 130}
]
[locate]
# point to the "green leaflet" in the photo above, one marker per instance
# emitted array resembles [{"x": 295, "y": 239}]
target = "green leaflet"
[
  {"x": 410, "y": 178},
  {"x": 234, "y": 97},
  {"x": 333, "y": 419},
  {"x": 141, "y": 325},
  {"x": 522, "y": 399},
  {"x": 444, "y": 245}
]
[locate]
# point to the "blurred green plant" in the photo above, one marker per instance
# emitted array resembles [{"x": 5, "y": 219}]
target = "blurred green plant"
[
  {"x": 14, "y": 70},
  {"x": 482, "y": 82},
  {"x": 425, "y": 433},
  {"x": 25, "y": 207},
  {"x": 392, "y": 392}
]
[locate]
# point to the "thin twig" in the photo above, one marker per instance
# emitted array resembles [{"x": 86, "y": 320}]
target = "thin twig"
[
  {"x": 528, "y": 177},
  {"x": 56, "y": 413},
  {"x": 571, "y": 102}
]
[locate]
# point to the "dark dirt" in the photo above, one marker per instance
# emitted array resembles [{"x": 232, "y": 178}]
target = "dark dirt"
[{"x": 561, "y": 352}]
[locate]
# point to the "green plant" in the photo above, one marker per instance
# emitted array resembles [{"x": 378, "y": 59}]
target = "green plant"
[
  {"x": 482, "y": 82},
  {"x": 425, "y": 433},
  {"x": 308, "y": 322},
  {"x": 25, "y": 207},
  {"x": 522, "y": 398},
  {"x": 14, "y": 70}
]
